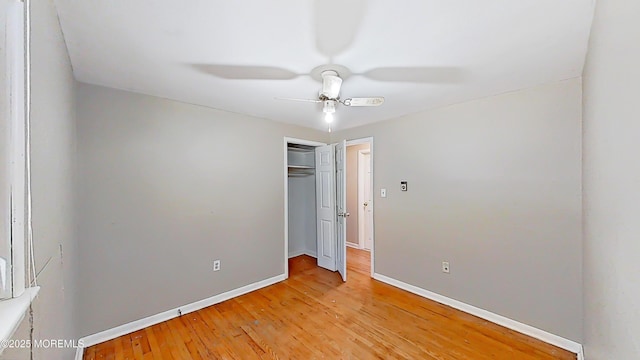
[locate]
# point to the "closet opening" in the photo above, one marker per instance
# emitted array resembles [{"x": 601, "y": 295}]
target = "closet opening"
[
  {"x": 329, "y": 205},
  {"x": 300, "y": 199}
]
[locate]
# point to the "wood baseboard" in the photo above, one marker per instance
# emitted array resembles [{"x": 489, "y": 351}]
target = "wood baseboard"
[
  {"x": 170, "y": 314},
  {"x": 528, "y": 330},
  {"x": 293, "y": 254}
]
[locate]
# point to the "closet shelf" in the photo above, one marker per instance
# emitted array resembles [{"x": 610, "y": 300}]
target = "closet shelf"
[
  {"x": 300, "y": 148},
  {"x": 300, "y": 167}
]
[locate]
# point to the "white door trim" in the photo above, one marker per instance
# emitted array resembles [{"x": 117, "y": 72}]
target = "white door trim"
[
  {"x": 341, "y": 206},
  {"x": 290, "y": 140},
  {"x": 361, "y": 195},
  {"x": 369, "y": 140}
]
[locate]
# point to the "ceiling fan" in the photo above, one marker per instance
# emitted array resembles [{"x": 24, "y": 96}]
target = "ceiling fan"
[
  {"x": 331, "y": 75},
  {"x": 329, "y": 95},
  {"x": 335, "y": 32}
]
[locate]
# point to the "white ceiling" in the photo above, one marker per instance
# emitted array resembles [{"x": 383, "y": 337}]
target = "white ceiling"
[{"x": 176, "y": 49}]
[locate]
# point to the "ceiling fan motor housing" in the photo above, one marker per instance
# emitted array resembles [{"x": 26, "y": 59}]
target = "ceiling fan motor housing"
[{"x": 331, "y": 84}]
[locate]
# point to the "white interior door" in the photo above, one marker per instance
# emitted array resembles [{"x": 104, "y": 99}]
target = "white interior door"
[
  {"x": 341, "y": 199},
  {"x": 368, "y": 203},
  {"x": 326, "y": 206}
]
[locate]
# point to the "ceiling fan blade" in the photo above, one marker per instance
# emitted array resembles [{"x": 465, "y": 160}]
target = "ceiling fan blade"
[
  {"x": 241, "y": 72},
  {"x": 337, "y": 23},
  {"x": 426, "y": 74},
  {"x": 302, "y": 100},
  {"x": 364, "y": 101}
]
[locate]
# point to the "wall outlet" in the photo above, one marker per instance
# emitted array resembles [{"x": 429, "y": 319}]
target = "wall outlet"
[
  {"x": 445, "y": 267},
  {"x": 216, "y": 265}
]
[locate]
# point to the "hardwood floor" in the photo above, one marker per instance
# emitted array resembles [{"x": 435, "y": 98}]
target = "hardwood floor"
[{"x": 314, "y": 315}]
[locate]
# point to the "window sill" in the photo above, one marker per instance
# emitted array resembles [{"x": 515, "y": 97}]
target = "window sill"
[{"x": 12, "y": 312}]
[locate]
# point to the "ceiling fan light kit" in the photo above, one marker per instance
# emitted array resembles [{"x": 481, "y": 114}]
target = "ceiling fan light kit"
[
  {"x": 328, "y": 117},
  {"x": 329, "y": 107},
  {"x": 329, "y": 96}
]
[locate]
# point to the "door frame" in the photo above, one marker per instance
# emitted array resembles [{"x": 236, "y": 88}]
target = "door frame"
[
  {"x": 340, "y": 155},
  {"x": 361, "y": 195},
  {"x": 290, "y": 140},
  {"x": 369, "y": 140}
]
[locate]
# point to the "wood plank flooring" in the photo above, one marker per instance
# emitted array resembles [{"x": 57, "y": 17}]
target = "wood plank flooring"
[{"x": 314, "y": 315}]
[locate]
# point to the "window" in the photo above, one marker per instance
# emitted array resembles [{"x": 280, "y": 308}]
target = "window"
[{"x": 15, "y": 170}]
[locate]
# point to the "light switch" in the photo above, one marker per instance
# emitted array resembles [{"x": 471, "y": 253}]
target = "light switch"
[{"x": 383, "y": 192}]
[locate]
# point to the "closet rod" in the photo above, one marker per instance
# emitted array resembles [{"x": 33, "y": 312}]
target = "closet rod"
[{"x": 290, "y": 148}]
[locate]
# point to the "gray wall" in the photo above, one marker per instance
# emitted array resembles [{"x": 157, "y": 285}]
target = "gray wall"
[
  {"x": 495, "y": 189},
  {"x": 612, "y": 183},
  {"x": 352, "y": 192},
  {"x": 53, "y": 158},
  {"x": 164, "y": 189},
  {"x": 302, "y": 215}
]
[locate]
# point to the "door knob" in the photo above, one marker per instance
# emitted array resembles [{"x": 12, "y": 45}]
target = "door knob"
[{"x": 343, "y": 214}]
